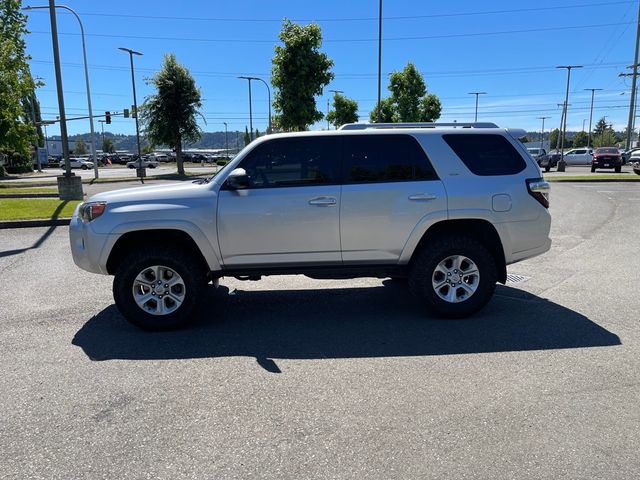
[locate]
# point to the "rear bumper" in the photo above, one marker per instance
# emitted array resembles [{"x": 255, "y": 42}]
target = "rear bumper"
[{"x": 534, "y": 252}]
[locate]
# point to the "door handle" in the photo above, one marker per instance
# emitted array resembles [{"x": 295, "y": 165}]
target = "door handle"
[
  {"x": 323, "y": 201},
  {"x": 422, "y": 196}
]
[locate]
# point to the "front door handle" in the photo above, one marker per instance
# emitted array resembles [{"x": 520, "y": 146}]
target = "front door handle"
[
  {"x": 422, "y": 196},
  {"x": 323, "y": 201}
]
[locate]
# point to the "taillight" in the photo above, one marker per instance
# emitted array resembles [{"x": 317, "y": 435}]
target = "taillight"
[
  {"x": 92, "y": 210},
  {"x": 539, "y": 189}
]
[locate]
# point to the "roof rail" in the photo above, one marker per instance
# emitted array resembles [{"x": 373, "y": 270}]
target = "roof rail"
[{"x": 365, "y": 126}]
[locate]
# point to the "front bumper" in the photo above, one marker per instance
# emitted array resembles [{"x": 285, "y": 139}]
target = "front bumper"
[{"x": 87, "y": 246}]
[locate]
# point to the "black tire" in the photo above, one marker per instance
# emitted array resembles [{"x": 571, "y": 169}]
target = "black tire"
[
  {"x": 618, "y": 169},
  {"x": 593, "y": 169},
  {"x": 84, "y": 167},
  {"x": 547, "y": 168},
  {"x": 424, "y": 266},
  {"x": 193, "y": 274}
]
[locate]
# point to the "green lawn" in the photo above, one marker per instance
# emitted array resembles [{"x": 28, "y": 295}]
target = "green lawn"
[
  {"x": 35, "y": 208},
  {"x": 28, "y": 190}
]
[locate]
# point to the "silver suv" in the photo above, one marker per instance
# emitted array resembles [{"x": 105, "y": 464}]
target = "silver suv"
[{"x": 445, "y": 207}]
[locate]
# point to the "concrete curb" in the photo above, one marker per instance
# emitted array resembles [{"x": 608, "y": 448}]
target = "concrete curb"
[{"x": 35, "y": 223}]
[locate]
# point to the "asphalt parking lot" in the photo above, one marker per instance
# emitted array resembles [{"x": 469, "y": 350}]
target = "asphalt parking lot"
[{"x": 298, "y": 378}]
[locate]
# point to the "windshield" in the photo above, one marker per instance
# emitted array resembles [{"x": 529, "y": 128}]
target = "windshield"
[{"x": 607, "y": 150}]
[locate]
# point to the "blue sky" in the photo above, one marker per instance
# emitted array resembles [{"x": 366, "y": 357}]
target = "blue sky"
[{"x": 508, "y": 49}]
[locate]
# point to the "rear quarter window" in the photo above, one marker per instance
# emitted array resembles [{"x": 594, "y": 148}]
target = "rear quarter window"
[{"x": 486, "y": 155}]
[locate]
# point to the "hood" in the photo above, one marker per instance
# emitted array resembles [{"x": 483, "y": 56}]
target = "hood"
[{"x": 154, "y": 192}]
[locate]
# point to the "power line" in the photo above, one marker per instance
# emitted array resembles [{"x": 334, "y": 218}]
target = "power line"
[{"x": 346, "y": 40}]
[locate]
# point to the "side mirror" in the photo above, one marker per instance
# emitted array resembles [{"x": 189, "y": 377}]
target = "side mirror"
[{"x": 238, "y": 179}]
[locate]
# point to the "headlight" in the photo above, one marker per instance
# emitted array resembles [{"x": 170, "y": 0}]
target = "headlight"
[{"x": 91, "y": 210}]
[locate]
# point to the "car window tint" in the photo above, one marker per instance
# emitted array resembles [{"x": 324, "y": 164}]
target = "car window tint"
[
  {"x": 384, "y": 158},
  {"x": 287, "y": 162},
  {"x": 486, "y": 154}
]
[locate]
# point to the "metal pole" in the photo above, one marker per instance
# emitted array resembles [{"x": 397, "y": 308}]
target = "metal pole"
[
  {"x": 633, "y": 84},
  {"x": 477, "y": 94},
  {"x": 226, "y": 139},
  {"x": 56, "y": 60},
  {"x": 335, "y": 92},
  {"x": 562, "y": 164},
  {"x": 379, "y": 116},
  {"x": 131, "y": 53},
  {"x": 102, "y": 127},
  {"x": 542, "y": 137},
  {"x": 327, "y": 114},
  {"x": 593, "y": 93}
]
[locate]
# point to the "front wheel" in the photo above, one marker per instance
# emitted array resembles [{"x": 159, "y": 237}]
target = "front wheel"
[
  {"x": 454, "y": 276},
  {"x": 618, "y": 169},
  {"x": 593, "y": 169},
  {"x": 159, "y": 288},
  {"x": 547, "y": 168}
]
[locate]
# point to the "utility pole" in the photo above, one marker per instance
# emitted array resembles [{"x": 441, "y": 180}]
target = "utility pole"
[
  {"x": 477, "y": 94},
  {"x": 226, "y": 139},
  {"x": 140, "y": 169},
  {"x": 593, "y": 93},
  {"x": 102, "y": 126},
  {"x": 335, "y": 92},
  {"x": 542, "y": 137},
  {"x": 562, "y": 164},
  {"x": 632, "y": 105},
  {"x": 379, "y": 116}
]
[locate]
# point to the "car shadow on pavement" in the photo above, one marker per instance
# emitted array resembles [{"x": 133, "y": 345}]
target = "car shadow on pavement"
[{"x": 384, "y": 321}]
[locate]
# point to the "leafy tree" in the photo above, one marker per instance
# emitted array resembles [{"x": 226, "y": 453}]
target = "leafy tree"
[
  {"x": 17, "y": 132},
  {"x": 409, "y": 101},
  {"x": 603, "y": 134},
  {"x": 257, "y": 134},
  {"x": 387, "y": 112},
  {"x": 148, "y": 148},
  {"x": 108, "y": 146},
  {"x": 345, "y": 110},
  {"x": 553, "y": 138},
  {"x": 81, "y": 147},
  {"x": 580, "y": 140},
  {"x": 169, "y": 116},
  {"x": 246, "y": 137},
  {"x": 299, "y": 73}
]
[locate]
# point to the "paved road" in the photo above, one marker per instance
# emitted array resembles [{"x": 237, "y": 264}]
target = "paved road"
[{"x": 295, "y": 378}]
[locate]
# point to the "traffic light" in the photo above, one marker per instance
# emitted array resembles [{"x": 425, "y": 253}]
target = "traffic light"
[
  {"x": 107, "y": 117},
  {"x": 126, "y": 113}
]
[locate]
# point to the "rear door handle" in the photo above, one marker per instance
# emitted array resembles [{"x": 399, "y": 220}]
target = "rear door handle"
[
  {"x": 323, "y": 201},
  {"x": 422, "y": 196}
]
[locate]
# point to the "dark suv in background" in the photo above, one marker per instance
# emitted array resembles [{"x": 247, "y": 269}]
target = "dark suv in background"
[{"x": 607, "y": 157}]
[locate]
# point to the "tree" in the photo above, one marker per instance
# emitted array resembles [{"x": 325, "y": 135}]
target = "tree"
[
  {"x": 345, "y": 110},
  {"x": 246, "y": 138},
  {"x": 387, "y": 112},
  {"x": 299, "y": 73},
  {"x": 17, "y": 132},
  {"x": 603, "y": 134},
  {"x": 257, "y": 134},
  {"x": 553, "y": 138},
  {"x": 81, "y": 147},
  {"x": 409, "y": 101},
  {"x": 580, "y": 140},
  {"x": 169, "y": 117},
  {"x": 148, "y": 148},
  {"x": 108, "y": 146}
]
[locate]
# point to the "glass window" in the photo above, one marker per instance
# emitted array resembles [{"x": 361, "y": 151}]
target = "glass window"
[
  {"x": 486, "y": 154},
  {"x": 288, "y": 162},
  {"x": 385, "y": 158}
]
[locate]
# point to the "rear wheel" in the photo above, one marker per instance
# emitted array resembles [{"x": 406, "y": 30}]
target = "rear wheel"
[
  {"x": 618, "y": 169},
  {"x": 159, "y": 288},
  {"x": 454, "y": 276},
  {"x": 593, "y": 169},
  {"x": 547, "y": 168}
]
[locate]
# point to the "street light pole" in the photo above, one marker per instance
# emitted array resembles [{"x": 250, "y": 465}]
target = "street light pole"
[
  {"x": 140, "y": 169},
  {"x": 335, "y": 92},
  {"x": 542, "y": 137},
  {"x": 226, "y": 139},
  {"x": 86, "y": 78},
  {"x": 562, "y": 164},
  {"x": 102, "y": 127},
  {"x": 477, "y": 94},
  {"x": 379, "y": 115},
  {"x": 268, "y": 93},
  {"x": 593, "y": 93}
]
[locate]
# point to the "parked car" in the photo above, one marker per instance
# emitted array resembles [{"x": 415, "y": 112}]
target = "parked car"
[
  {"x": 446, "y": 208},
  {"x": 607, "y": 157},
  {"x": 144, "y": 163},
  {"x": 579, "y": 156},
  {"x": 160, "y": 157},
  {"x": 77, "y": 163},
  {"x": 549, "y": 161}
]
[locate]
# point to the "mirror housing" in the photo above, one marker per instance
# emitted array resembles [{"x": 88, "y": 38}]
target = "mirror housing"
[{"x": 237, "y": 179}]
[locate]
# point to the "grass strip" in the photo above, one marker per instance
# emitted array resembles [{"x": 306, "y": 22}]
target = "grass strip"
[
  {"x": 8, "y": 190},
  {"x": 36, "y": 208}
]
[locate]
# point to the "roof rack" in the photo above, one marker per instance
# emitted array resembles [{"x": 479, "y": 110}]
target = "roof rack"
[{"x": 365, "y": 126}]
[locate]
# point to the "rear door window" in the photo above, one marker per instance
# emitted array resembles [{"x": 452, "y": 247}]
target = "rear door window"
[
  {"x": 384, "y": 158},
  {"x": 486, "y": 155}
]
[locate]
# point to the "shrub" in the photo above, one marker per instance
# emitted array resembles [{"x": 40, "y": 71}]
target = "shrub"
[
  {"x": 222, "y": 163},
  {"x": 20, "y": 168},
  {"x": 3, "y": 173}
]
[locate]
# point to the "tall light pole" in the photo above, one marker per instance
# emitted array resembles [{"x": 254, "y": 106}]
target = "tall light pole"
[
  {"x": 632, "y": 106},
  {"x": 86, "y": 78},
  {"x": 102, "y": 127},
  {"x": 226, "y": 139},
  {"x": 334, "y": 93},
  {"x": 140, "y": 169},
  {"x": 593, "y": 94},
  {"x": 379, "y": 115},
  {"x": 477, "y": 94},
  {"x": 562, "y": 164},
  {"x": 542, "y": 137},
  {"x": 250, "y": 113}
]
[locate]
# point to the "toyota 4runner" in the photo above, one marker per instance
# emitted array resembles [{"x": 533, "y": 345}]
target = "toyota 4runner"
[{"x": 445, "y": 206}]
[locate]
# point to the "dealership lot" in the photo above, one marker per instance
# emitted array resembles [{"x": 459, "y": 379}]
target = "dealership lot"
[{"x": 298, "y": 378}]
